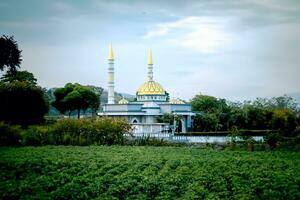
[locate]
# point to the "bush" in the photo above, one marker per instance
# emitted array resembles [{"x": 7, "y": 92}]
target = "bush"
[
  {"x": 38, "y": 135},
  {"x": 9, "y": 134},
  {"x": 78, "y": 132},
  {"x": 272, "y": 139}
]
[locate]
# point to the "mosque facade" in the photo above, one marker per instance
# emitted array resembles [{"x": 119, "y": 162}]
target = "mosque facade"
[{"x": 151, "y": 102}]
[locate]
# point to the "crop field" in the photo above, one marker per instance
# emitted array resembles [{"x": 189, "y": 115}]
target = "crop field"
[{"x": 125, "y": 172}]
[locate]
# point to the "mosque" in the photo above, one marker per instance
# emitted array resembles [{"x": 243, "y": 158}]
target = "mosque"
[{"x": 151, "y": 101}]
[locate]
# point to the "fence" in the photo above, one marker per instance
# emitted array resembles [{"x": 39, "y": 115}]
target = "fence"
[{"x": 189, "y": 138}]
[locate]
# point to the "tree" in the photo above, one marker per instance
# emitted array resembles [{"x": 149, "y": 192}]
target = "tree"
[
  {"x": 257, "y": 118},
  {"x": 214, "y": 113},
  {"x": 280, "y": 102},
  {"x": 75, "y": 97},
  {"x": 206, "y": 122},
  {"x": 285, "y": 121},
  {"x": 10, "y": 55},
  {"x": 284, "y": 102},
  {"x": 60, "y": 103},
  {"x": 23, "y": 76},
  {"x": 205, "y": 103},
  {"x": 166, "y": 118},
  {"x": 237, "y": 118},
  {"x": 22, "y": 103}
]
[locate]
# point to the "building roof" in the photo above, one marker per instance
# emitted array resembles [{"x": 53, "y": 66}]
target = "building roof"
[
  {"x": 176, "y": 101},
  {"x": 123, "y": 101},
  {"x": 151, "y": 88}
]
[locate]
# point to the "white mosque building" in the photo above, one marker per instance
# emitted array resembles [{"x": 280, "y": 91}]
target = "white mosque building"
[{"x": 152, "y": 101}]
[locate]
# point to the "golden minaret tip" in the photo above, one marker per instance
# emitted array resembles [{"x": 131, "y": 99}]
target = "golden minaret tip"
[
  {"x": 110, "y": 53},
  {"x": 150, "y": 58}
]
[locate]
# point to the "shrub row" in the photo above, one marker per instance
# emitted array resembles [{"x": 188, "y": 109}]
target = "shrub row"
[
  {"x": 67, "y": 132},
  {"x": 9, "y": 134}
]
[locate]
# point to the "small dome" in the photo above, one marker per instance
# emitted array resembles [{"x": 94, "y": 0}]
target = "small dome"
[
  {"x": 176, "y": 101},
  {"x": 151, "y": 88},
  {"x": 123, "y": 101}
]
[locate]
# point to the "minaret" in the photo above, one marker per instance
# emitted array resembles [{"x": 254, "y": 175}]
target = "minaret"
[
  {"x": 111, "y": 83},
  {"x": 150, "y": 66}
]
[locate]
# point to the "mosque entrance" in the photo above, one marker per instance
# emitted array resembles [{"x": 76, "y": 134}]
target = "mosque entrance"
[{"x": 179, "y": 127}]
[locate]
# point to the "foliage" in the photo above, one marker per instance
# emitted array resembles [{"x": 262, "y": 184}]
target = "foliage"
[
  {"x": 23, "y": 76},
  {"x": 272, "y": 139},
  {"x": 9, "y": 134},
  {"x": 126, "y": 172},
  {"x": 277, "y": 113},
  {"x": 170, "y": 119},
  {"x": 78, "y": 132},
  {"x": 76, "y": 97},
  {"x": 207, "y": 104},
  {"x": 38, "y": 135},
  {"x": 10, "y": 55},
  {"x": 21, "y": 103},
  {"x": 151, "y": 141},
  {"x": 206, "y": 122},
  {"x": 284, "y": 120},
  {"x": 166, "y": 118}
]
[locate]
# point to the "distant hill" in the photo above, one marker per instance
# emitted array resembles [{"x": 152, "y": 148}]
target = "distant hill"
[
  {"x": 296, "y": 96},
  {"x": 118, "y": 97}
]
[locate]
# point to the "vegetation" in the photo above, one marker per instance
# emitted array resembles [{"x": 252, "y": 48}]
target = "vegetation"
[
  {"x": 22, "y": 103},
  {"x": 126, "y": 172},
  {"x": 10, "y": 135},
  {"x": 10, "y": 55},
  {"x": 21, "y": 76},
  {"x": 103, "y": 131},
  {"x": 278, "y": 113},
  {"x": 76, "y": 97},
  {"x": 120, "y": 172}
]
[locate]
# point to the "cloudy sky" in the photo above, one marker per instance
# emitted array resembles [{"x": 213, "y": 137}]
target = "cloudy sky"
[{"x": 234, "y": 49}]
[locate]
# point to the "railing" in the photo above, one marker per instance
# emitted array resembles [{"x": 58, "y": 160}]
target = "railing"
[{"x": 189, "y": 138}]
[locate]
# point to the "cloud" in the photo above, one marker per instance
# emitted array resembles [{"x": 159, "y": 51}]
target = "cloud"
[
  {"x": 205, "y": 34},
  {"x": 161, "y": 31},
  {"x": 235, "y": 48},
  {"x": 62, "y": 7}
]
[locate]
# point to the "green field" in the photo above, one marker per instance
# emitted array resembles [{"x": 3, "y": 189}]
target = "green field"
[{"x": 124, "y": 172}]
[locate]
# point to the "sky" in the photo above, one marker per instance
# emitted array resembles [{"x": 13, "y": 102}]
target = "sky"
[{"x": 233, "y": 49}]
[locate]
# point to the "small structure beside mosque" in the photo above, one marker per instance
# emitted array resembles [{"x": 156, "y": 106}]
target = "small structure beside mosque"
[{"x": 152, "y": 101}]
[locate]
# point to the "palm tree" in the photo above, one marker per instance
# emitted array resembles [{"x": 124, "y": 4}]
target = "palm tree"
[{"x": 10, "y": 55}]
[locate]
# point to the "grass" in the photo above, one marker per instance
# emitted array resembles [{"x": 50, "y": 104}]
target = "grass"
[{"x": 125, "y": 172}]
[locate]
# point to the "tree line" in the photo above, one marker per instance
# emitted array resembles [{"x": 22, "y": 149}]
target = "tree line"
[{"x": 277, "y": 113}]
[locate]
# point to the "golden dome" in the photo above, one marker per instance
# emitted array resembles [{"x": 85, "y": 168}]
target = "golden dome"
[
  {"x": 151, "y": 88},
  {"x": 123, "y": 101},
  {"x": 176, "y": 101}
]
